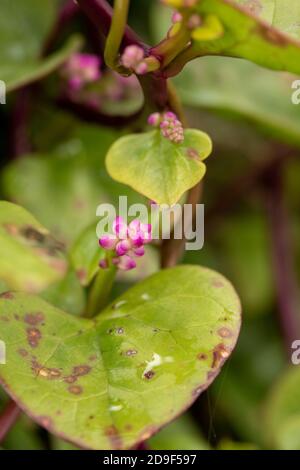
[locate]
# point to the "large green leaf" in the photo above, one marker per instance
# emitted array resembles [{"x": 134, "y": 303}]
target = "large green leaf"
[
  {"x": 23, "y": 29},
  {"x": 30, "y": 258},
  {"x": 158, "y": 168},
  {"x": 228, "y": 29},
  {"x": 281, "y": 14},
  {"x": 114, "y": 381},
  {"x": 242, "y": 90}
]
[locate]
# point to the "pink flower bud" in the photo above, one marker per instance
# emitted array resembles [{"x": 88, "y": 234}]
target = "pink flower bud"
[
  {"x": 140, "y": 251},
  {"x": 141, "y": 68},
  {"x": 154, "y": 119},
  {"x": 81, "y": 69},
  {"x": 126, "y": 263},
  {"x": 108, "y": 242},
  {"x": 176, "y": 17},
  {"x": 120, "y": 228},
  {"x": 103, "y": 264},
  {"x": 132, "y": 56},
  {"x": 194, "y": 21},
  {"x": 123, "y": 247},
  {"x": 171, "y": 128}
]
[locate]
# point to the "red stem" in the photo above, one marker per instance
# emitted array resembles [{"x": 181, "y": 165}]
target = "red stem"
[
  {"x": 282, "y": 252},
  {"x": 8, "y": 418}
]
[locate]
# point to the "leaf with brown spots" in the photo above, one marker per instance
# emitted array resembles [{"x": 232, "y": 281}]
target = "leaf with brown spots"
[
  {"x": 30, "y": 258},
  {"x": 240, "y": 32},
  {"x": 118, "y": 379}
]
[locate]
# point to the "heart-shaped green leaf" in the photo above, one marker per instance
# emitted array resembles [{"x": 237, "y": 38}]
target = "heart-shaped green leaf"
[
  {"x": 240, "y": 34},
  {"x": 114, "y": 381},
  {"x": 30, "y": 258},
  {"x": 158, "y": 168}
]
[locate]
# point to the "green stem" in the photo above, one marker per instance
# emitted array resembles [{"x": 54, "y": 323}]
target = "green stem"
[
  {"x": 169, "y": 48},
  {"x": 116, "y": 33},
  {"x": 100, "y": 291}
]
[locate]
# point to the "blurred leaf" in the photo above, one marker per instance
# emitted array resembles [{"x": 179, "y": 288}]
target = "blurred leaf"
[
  {"x": 246, "y": 37},
  {"x": 241, "y": 391},
  {"x": 182, "y": 434},
  {"x": 227, "y": 444},
  {"x": 247, "y": 261},
  {"x": 64, "y": 189},
  {"x": 282, "y": 412},
  {"x": 178, "y": 338},
  {"x": 30, "y": 258},
  {"x": 67, "y": 294},
  {"x": 281, "y": 14},
  {"x": 241, "y": 90},
  {"x": 158, "y": 168},
  {"x": 23, "y": 29},
  {"x": 86, "y": 254}
]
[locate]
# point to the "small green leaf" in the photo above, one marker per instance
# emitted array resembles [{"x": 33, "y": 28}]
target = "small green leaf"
[
  {"x": 158, "y": 168},
  {"x": 246, "y": 36},
  {"x": 115, "y": 381},
  {"x": 24, "y": 27},
  {"x": 30, "y": 258}
]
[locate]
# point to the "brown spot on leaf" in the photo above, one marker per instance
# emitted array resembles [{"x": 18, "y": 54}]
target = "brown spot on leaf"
[
  {"x": 225, "y": 333},
  {"x": 70, "y": 379},
  {"x": 50, "y": 373},
  {"x": 130, "y": 352},
  {"x": 34, "y": 318},
  {"x": 12, "y": 229},
  {"x": 33, "y": 336},
  {"x": 4, "y": 318},
  {"x": 7, "y": 295},
  {"x": 272, "y": 35},
  {"x": 45, "y": 421},
  {"x": 75, "y": 389},
  {"x": 31, "y": 233},
  {"x": 93, "y": 357},
  {"x": 149, "y": 375},
  {"x": 254, "y": 6},
  {"x": 220, "y": 353},
  {"x": 120, "y": 331},
  {"x": 81, "y": 274},
  {"x": 112, "y": 433},
  {"x": 217, "y": 283},
  {"x": 81, "y": 370},
  {"x": 192, "y": 154},
  {"x": 202, "y": 356},
  {"x": 22, "y": 352}
]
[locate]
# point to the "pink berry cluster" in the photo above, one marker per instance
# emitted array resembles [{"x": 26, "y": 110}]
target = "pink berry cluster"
[
  {"x": 126, "y": 243},
  {"x": 171, "y": 127},
  {"x": 133, "y": 58},
  {"x": 81, "y": 69}
]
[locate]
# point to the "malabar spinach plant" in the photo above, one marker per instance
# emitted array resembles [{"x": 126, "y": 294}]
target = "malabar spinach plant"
[{"x": 100, "y": 367}]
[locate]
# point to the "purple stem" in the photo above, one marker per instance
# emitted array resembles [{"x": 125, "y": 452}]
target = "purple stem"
[
  {"x": 100, "y": 13},
  {"x": 19, "y": 138},
  {"x": 66, "y": 14},
  {"x": 8, "y": 418},
  {"x": 282, "y": 253}
]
